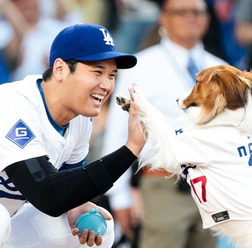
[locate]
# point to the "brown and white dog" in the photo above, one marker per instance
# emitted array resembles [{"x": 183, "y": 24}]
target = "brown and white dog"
[{"x": 210, "y": 145}]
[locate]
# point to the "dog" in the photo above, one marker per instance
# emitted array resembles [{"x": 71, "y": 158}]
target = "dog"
[{"x": 209, "y": 145}]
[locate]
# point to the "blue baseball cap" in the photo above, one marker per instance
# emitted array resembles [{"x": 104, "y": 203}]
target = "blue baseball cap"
[{"x": 88, "y": 42}]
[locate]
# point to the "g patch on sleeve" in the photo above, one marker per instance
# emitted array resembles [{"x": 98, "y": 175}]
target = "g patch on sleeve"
[{"x": 20, "y": 134}]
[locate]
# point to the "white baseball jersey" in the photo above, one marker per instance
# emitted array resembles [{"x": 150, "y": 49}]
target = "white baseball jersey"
[
  {"x": 26, "y": 132},
  {"x": 216, "y": 159}
]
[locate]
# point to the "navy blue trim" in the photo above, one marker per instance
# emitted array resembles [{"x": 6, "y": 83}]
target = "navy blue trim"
[
  {"x": 6, "y": 184},
  {"x": 66, "y": 166}
]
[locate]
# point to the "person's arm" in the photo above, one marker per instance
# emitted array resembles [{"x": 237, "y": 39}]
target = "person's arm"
[
  {"x": 243, "y": 21},
  {"x": 119, "y": 195},
  {"x": 20, "y": 28},
  {"x": 61, "y": 9},
  {"x": 55, "y": 192},
  {"x": 13, "y": 16},
  {"x": 243, "y": 32}
]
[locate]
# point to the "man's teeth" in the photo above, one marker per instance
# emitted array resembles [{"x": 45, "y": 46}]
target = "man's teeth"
[{"x": 97, "y": 97}]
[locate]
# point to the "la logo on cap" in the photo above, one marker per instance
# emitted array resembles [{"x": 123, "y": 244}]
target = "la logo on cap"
[{"x": 107, "y": 38}]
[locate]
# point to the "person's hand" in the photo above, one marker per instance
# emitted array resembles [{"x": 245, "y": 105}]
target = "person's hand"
[
  {"x": 136, "y": 131},
  {"x": 2, "y": 2},
  {"x": 130, "y": 218},
  {"x": 137, "y": 205},
  {"x": 123, "y": 217},
  {"x": 86, "y": 237}
]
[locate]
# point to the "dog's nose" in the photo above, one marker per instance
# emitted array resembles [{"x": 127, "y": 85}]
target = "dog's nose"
[{"x": 178, "y": 101}]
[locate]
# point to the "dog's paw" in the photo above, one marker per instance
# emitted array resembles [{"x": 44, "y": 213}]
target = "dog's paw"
[
  {"x": 123, "y": 102},
  {"x": 136, "y": 95}
]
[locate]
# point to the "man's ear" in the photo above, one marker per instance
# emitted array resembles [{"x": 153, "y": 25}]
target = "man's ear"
[{"x": 58, "y": 67}]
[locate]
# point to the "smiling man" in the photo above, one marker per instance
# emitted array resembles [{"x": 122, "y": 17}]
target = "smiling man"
[{"x": 45, "y": 132}]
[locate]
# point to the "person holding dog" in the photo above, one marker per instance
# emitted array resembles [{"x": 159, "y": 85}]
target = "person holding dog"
[{"x": 169, "y": 216}]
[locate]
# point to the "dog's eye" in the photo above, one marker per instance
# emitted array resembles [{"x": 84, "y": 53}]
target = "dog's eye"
[{"x": 193, "y": 104}]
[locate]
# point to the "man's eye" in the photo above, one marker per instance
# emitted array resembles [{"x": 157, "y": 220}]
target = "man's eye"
[
  {"x": 112, "y": 76},
  {"x": 98, "y": 72}
]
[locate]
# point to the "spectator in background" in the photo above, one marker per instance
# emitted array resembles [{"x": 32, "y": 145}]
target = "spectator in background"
[
  {"x": 66, "y": 11},
  {"x": 169, "y": 217},
  {"x": 75, "y": 11},
  {"x": 8, "y": 11},
  {"x": 26, "y": 36},
  {"x": 4, "y": 70},
  {"x": 243, "y": 27},
  {"x": 135, "y": 17},
  {"x": 27, "y": 28},
  {"x": 220, "y": 38}
]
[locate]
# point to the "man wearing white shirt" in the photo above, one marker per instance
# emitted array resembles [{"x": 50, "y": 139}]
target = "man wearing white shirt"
[{"x": 170, "y": 217}]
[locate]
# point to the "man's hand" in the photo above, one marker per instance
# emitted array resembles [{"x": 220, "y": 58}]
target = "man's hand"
[
  {"x": 87, "y": 237},
  {"x": 136, "y": 130}
]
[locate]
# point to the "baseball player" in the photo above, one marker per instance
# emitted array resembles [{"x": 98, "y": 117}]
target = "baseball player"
[{"x": 46, "y": 126}]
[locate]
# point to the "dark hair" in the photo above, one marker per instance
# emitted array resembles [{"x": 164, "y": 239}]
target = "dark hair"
[
  {"x": 160, "y": 3},
  {"x": 71, "y": 64}
]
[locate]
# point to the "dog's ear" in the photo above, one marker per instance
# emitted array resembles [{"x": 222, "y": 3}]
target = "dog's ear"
[
  {"x": 248, "y": 79},
  {"x": 215, "y": 100},
  {"x": 248, "y": 75},
  {"x": 235, "y": 84},
  {"x": 227, "y": 89}
]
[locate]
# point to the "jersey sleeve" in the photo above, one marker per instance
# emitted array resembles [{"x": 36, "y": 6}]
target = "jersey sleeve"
[{"x": 20, "y": 132}]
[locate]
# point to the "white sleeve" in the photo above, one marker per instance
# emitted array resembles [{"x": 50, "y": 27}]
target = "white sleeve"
[{"x": 20, "y": 132}]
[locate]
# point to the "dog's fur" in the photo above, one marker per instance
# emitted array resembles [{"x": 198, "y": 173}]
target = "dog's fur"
[{"x": 218, "y": 90}]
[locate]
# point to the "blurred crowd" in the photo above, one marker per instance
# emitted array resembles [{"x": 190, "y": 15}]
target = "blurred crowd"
[{"x": 27, "y": 28}]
